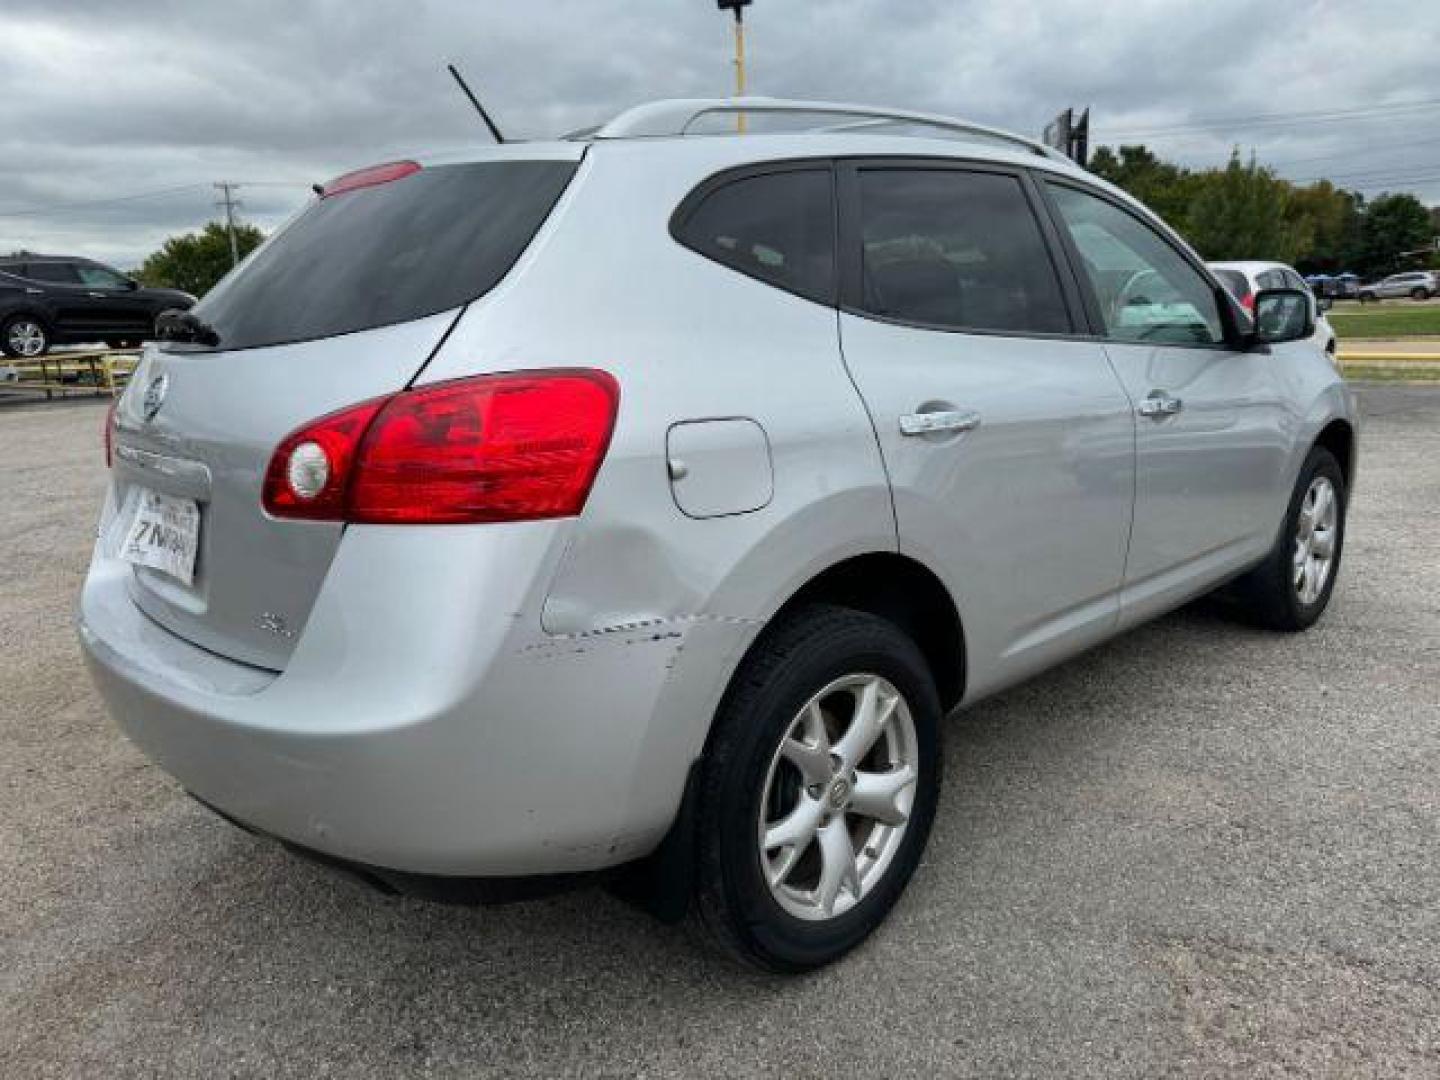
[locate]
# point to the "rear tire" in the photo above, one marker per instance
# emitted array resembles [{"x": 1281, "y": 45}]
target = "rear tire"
[
  {"x": 807, "y": 833},
  {"x": 1369, "y": 298},
  {"x": 24, "y": 337},
  {"x": 1290, "y": 590},
  {"x": 1419, "y": 294}
]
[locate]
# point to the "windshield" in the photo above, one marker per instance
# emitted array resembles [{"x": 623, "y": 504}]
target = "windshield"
[{"x": 433, "y": 240}]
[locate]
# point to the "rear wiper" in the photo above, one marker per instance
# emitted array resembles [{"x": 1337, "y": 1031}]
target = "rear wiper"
[{"x": 177, "y": 324}]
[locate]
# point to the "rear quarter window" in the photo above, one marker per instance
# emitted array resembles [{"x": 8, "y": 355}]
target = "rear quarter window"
[
  {"x": 778, "y": 227},
  {"x": 430, "y": 241}
]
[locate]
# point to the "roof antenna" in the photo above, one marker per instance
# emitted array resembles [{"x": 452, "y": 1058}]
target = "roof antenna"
[{"x": 478, "y": 107}]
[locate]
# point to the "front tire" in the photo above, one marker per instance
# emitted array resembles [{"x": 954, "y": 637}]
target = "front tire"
[
  {"x": 1369, "y": 298},
  {"x": 818, "y": 789},
  {"x": 24, "y": 337},
  {"x": 1290, "y": 590}
]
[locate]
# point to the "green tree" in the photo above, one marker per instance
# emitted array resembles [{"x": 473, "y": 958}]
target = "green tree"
[
  {"x": 1165, "y": 188},
  {"x": 1393, "y": 225},
  {"x": 1327, "y": 223},
  {"x": 196, "y": 261},
  {"x": 1243, "y": 212}
]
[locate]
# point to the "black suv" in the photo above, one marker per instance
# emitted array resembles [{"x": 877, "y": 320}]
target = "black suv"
[{"x": 47, "y": 300}]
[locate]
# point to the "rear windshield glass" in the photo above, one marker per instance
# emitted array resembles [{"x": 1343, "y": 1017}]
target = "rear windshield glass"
[
  {"x": 1233, "y": 280},
  {"x": 412, "y": 247}
]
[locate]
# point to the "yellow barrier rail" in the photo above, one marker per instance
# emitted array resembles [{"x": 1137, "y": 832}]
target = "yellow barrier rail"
[
  {"x": 101, "y": 372},
  {"x": 1389, "y": 357}
]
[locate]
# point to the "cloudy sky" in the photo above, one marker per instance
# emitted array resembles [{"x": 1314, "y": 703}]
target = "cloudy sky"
[{"x": 119, "y": 115}]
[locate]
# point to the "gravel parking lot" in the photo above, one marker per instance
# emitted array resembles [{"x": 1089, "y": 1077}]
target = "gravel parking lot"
[{"x": 1201, "y": 849}]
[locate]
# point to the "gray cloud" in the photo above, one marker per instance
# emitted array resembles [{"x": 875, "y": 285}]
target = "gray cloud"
[{"x": 106, "y": 99}]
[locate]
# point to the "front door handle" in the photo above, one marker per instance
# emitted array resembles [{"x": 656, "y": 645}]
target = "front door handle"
[
  {"x": 927, "y": 423},
  {"x": 1159, "y": 405}
]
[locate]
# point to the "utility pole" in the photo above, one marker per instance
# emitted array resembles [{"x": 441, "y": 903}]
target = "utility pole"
[
  {"x": 229, "y": 202},
  {"x": 738, "y": 7}
]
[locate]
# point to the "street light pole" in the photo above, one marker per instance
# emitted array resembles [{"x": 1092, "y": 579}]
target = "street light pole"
[{"x": 738, "y": 7}]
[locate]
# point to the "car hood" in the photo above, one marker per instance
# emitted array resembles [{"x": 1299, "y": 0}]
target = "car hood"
[{"x": 169, "y": 297}]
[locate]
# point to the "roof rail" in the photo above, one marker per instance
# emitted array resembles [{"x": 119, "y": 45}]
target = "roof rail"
[{"x": 675, "y": 116}]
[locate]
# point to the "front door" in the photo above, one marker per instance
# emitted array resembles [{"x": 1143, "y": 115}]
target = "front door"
[
  {"x": 1007, "y": 438},
  {"x": 115, "y": 304},
  {"x": 1212, "y": 431}
]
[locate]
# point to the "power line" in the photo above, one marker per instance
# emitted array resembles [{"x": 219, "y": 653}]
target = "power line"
[
  {"x": 1393, "y": 173},
  {"x": 1351, "y": 155},
  {"x": 1321, "y": 116},
  {"x": 59, "y": 208}
]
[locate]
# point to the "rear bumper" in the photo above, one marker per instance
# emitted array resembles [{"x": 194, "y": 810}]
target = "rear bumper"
[{"x": 425, "y": 722}]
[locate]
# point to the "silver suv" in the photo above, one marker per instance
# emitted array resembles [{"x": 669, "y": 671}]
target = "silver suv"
[
  {"x": 639, "y": 503},
  {"x": 1417, "y": 285}
]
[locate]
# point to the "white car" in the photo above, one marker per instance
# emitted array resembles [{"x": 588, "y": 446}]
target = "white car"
[{"x": 1245, "y": 279}]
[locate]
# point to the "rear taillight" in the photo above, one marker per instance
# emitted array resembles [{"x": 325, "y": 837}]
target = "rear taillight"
[
  {"x": 512, "y": 447},
  {"x": 110, "y": 431}
]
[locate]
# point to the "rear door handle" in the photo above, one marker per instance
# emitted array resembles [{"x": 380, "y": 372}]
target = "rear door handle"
[
  {"x": 1159, "y": 405},
  {"x": 926, "y": 423}
]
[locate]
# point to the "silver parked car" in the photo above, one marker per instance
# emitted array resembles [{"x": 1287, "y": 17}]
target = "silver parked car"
[
  {"x": 639, "y": 503},
  {"x": 1417, "y": 285}
]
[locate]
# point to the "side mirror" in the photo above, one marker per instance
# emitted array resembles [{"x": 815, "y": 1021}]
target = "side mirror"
[
  {"x": 130, "y": 285},
  {"x": 1282, "y": 315},
  {"x": 1325, "y": 303}
]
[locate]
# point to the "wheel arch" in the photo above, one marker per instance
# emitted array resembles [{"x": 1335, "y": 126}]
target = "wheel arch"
[
  {"x": 1338, "y": 436},
  {"x": 28, "y": 311},
  {"x": 906, "y": 592}
]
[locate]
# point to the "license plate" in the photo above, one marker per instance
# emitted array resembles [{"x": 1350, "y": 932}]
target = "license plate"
[{"x": 164, "y": 535}]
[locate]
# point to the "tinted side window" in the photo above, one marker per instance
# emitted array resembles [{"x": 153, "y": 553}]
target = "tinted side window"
[
  {"x": 954, "y": 249},
  {"x": 1271, "y": 279},
  {"x": 101, "y": 277},
  {"x": 1145, "y": 288},
  {"x": 60, "y": 273},
  {"x": 778, "y": 227}
]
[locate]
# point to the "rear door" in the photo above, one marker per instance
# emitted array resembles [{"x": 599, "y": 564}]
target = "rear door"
[
  {"x": 1213, "y": 432},
  {"x": 72, "y": 310},
  {"x": 1007, "y": 438},
  {"x": 346, "y": 304}
]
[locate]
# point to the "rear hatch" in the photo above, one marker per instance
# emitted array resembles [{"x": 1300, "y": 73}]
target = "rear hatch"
[{"x": 348, "y": 302}]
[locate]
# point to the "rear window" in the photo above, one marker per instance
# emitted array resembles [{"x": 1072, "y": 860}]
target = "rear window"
[{"x": 389, "y": 253}]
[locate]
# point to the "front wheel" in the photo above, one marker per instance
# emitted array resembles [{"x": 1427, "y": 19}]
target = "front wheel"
[
  {"x": 1291, "y": 588},
  {"x": 24, "y": 336},
  {"x": 1369, "y": 298},
  {"x": 818, "y": 790}
]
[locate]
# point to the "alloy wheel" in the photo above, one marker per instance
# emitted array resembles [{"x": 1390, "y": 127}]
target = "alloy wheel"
[
  {"x": 1315, "y": 533},
  {"x": 26, "y": 337},
  {"x": 838, "y": 796}
]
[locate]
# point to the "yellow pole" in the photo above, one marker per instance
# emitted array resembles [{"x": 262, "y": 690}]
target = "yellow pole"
[{"x": 739, "y": 67}]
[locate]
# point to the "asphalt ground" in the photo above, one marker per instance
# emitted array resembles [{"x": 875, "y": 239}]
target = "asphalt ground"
[{"x": 1199, "y": 850}]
